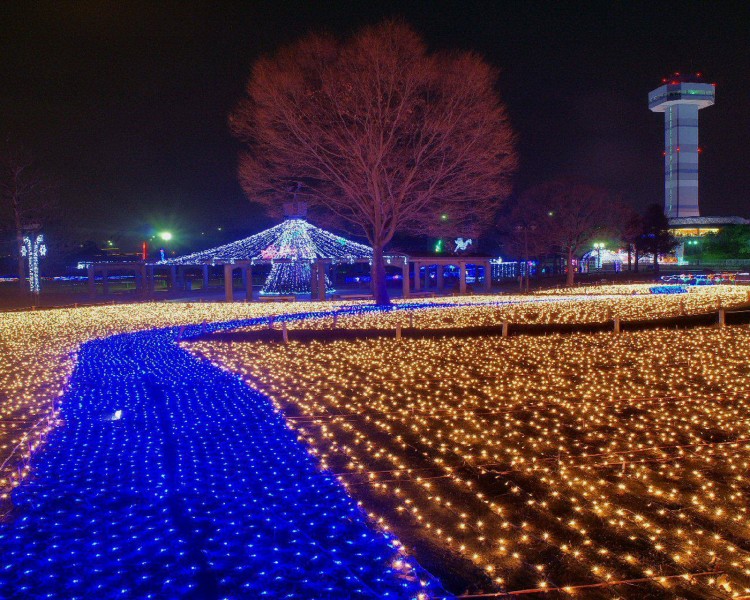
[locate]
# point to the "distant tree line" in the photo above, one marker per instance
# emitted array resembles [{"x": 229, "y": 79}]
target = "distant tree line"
[
  {"x": 732, "y": 241},
  {"x": 562, "y": 219}
]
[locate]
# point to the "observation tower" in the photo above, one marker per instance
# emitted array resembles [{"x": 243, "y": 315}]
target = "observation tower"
[{"x": 680, "y": 98}]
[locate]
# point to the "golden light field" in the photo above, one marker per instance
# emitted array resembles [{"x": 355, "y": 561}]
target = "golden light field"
[
  {"x": 629, "y": 302},
  {"x": 617, "y": 289},
  {"x": 38, "y": 348},
  {"x": 591, "y": 465}
]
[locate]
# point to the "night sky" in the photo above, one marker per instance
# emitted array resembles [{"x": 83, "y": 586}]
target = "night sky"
[{"x": 124, "y": 104}]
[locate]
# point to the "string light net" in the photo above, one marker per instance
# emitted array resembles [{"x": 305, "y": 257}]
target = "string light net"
[
  {"x": 289, "y": 247},
  {"x": 173, "y": 479}
]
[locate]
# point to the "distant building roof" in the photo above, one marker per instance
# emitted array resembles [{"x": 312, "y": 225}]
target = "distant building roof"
[{"x": 680, "y": 222}]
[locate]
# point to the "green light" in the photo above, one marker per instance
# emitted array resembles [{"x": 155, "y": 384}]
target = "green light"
[
  {"x": 444, "y": 217},
  {"x": 165, "y": 235},
  {"x": 439, "y": 246}
]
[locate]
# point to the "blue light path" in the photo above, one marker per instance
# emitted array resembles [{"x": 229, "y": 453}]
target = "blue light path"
[{"x": 173, "y": 479}]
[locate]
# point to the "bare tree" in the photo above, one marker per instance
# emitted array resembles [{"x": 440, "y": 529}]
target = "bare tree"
[
  {"x": 655, "y": 237},
  {"x": 378, "y": 132},
  {"x": 521, "y": 227},
  {"x": 573, "y": 215},
  {"x": 25, "y": 198},
  {"x": 630, "y": 231}
]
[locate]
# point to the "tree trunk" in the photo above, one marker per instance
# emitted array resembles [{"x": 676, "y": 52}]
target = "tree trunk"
[
  {"x": 21, "y": 267},
  {"x": 630, "y": 257},
  {"x": 635, "y": 267},
  {"x": 656, "y": 261},
  {"x": 528, "y": 274},
  {"x": 19, "y": 235},
  {"x": 377, "y": 273},
  {"x": 571, "y": 271}
]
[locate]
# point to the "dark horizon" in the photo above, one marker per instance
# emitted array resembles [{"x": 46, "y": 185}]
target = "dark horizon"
[{"x": 125, "y": 105}]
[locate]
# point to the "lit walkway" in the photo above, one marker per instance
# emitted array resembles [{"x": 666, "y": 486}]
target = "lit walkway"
[{"x": 173, "y": 479}]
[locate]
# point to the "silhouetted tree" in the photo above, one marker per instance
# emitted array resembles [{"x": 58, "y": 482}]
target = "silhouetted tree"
[
  {"x": 732, "y": 241},
  {"x": 520, "y": 226},
  {"x": 655, "y": 238},
  {"x": 378, "y": 132},
  {"x": 630, "y": 231},
  {"x": 572, "y": 215}
]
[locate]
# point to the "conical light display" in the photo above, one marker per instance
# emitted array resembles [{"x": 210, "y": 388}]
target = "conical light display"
[{"x": 289, "y": 247}]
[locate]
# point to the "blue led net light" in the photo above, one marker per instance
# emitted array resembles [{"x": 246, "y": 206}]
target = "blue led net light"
[
  {"x": 668, "y": 289},
  {"x": 173, "y": 479}
]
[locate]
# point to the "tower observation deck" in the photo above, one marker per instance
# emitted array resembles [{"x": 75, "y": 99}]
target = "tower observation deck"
[{"x": 680, "y": 98}]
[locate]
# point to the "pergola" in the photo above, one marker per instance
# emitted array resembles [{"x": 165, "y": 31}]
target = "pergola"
[
  {"x": 143, "y": 278},
  {"x": 425, "y": 263},
  {"x": 415, "y": 273}
]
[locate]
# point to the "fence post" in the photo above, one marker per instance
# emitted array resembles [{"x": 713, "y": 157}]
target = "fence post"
[
  {"x": 335, "y": 319},
  {"x": 505, "y": 328},
  {"x": 722, "y": 317},
  {"x": 398, "y": 331},
  {"x": 284, "y": 332},
  {"x": 617, "y": 324},
  {"x": 411, "y": 320}
]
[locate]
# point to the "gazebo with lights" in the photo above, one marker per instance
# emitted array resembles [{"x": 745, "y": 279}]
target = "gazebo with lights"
[{"x": 299, "y": 254}]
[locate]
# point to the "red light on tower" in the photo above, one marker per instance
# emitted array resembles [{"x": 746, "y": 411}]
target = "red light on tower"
[{"x": 145, "y": 251}]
